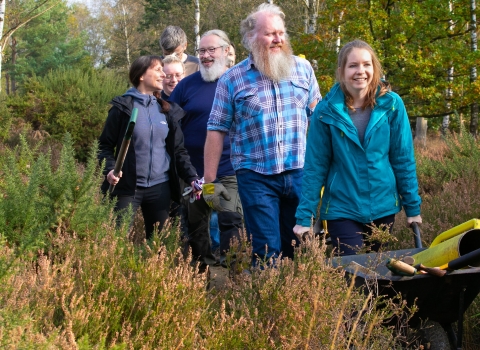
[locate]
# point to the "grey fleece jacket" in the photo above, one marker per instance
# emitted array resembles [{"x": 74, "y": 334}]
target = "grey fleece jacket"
[{"x": 151, "y": 130}]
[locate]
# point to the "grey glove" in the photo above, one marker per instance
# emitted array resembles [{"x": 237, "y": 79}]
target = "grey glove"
[{"x": 211, "y": 194}]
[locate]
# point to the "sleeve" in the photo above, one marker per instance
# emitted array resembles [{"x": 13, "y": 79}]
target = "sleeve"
[
  {"x": 185, "y": 169},
  {"x": 108, "y": 140},
  {"x": 314, "y": 92},
  {"x": 221, "y": 116},
  {"x": 317, "y": 160},
  {"x": 402, "y": 159}
]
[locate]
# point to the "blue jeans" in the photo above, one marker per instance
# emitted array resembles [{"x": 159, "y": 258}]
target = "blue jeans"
[
  {"x": 348, "y": 236},
  {"x": 269, "y": 204}
]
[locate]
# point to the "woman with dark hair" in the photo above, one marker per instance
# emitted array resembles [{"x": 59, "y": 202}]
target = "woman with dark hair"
[
  {"x": 156, "y": 156},
  {"x": 360, "y": 148}
]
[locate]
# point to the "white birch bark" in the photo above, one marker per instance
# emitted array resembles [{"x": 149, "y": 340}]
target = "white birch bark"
[
  {"x": 473, "y": 69},
  {"x": 196, "y": 28},
  {"x": 125, "y": 25},
  {"x": 448, "y": 91},
  {"x": 2, "y": 22}
]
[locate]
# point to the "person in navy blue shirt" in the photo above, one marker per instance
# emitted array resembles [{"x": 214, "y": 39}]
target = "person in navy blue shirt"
[{"x": 195, "y": 95}]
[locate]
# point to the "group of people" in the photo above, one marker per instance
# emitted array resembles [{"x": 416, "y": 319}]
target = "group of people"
[{"x": 237, "y": 136}]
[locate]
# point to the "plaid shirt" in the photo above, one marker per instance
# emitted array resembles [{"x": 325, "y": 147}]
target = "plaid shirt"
[{"x": 267, "y": 121}]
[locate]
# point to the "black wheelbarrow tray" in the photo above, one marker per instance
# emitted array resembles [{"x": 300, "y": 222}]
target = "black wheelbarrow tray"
[{"x": 439, "y": 299}]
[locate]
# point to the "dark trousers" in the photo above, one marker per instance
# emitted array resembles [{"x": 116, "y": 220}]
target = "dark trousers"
[
  {"x": 348, "y": 235},
  {"x": 154, "y": 202},
  {"x": 230, "y": 223}
]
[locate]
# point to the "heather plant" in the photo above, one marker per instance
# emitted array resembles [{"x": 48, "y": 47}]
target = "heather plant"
[{"x": 72, "y": 279}]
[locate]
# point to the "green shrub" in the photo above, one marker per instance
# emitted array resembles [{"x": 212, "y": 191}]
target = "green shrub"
[
  {"x": 40, "y": 200},
  {"x": 73, "y": 101}
]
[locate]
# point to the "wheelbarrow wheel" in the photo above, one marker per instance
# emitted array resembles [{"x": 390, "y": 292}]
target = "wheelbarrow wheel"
[{"x": 434, "y": 337}]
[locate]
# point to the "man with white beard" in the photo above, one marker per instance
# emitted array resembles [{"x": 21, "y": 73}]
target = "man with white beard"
[
  {"x": 263, "y": 104},
  {"x": 195, "y": 95}
]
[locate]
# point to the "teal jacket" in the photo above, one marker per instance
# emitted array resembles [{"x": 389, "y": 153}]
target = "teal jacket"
[{"x": 361, "y": 183}]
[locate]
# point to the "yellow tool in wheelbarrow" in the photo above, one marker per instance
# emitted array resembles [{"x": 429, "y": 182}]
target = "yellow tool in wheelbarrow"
[{"x": 452, "y": 244}]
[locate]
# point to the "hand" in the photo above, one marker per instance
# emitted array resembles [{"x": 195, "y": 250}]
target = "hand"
[
  {"x": 417, "y": 219},
  {"x": 112, "y": 179},
  {"x": 299, "y": 231},
  {"x": 211, "y": 194},
  {"x": 196, "y": 192}
]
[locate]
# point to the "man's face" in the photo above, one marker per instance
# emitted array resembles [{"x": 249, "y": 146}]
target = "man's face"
[
  {"x": 270, "y": 32},
  {"x": 174, "y": 73},
  {"x": 179, "y": 50},
  {"x": 212, "y": 57}
]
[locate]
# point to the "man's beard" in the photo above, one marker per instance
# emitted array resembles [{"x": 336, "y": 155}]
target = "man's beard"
[
  {"x": 275, "y": 65},
  {"x": 215, "y": 71}
]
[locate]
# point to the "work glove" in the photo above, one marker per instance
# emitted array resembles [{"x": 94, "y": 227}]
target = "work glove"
[{"x": 211, "y": 194}]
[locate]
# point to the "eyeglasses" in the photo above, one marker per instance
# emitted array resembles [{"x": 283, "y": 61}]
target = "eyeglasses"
[
  {"x": 210, "y": 50},
  {"x": 170, "y": 76}
]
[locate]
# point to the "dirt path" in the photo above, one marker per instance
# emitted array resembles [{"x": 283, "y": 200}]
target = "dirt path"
[{"x": 218, "y": 277}]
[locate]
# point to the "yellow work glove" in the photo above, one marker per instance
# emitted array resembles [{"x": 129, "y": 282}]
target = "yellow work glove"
[{"x": 211, "y": 194}]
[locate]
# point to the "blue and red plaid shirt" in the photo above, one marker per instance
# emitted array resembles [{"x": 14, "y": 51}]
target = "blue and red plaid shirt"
[{"x": 267, "y": 121}]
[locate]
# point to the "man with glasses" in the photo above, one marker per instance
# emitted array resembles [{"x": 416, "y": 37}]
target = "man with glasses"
[
  {"x": 263, "y": 104},
  {"x": 195, "y": 95},
  {"x": 174, "y": 70},
  {"x": 173, "y": 41}
]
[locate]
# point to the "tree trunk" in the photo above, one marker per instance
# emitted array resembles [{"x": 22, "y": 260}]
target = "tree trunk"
[
  {"x": 312, "y": 6},
  {"x": 127, "y": 46},
  {"x": 2, "y": 22},
  {"x": 473, "y": 70},
  {"x": 197, "y": 25},
  {"x": 338, "y": 43},
  {"x": 449, "y": 90},
  {"x": 421, "y": 132},
  {"x": 13, "y": 81}
]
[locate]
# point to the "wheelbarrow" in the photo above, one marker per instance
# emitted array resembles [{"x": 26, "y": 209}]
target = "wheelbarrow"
[{"x": 440, "y": 300}]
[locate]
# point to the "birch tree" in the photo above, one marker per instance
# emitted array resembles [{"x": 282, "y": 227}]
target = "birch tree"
[
  {"x": 473, "y": 69},
  {"x": 196, "y": 28},
  {"x": 449, "y": 90}
]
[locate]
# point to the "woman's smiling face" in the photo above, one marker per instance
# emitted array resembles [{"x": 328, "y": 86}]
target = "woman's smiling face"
[{"x": 358, "y": 72}]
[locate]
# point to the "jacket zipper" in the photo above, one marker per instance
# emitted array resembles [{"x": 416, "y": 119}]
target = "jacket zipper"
[{"x": 151, "y": 147}]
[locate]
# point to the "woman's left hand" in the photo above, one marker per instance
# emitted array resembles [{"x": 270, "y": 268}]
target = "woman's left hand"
[
  {"x": 417, "y": 219},
  {"x": 197, "y": 193}
]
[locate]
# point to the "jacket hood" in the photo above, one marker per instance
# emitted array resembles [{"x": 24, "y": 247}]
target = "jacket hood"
[{"x": 140, "y": 98}]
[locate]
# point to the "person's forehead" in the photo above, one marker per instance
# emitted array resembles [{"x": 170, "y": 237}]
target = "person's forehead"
[
  {"x": 268, "y": 22},
  {"x": 174, "y": 67},
  {"x": 209, "y": 41}
]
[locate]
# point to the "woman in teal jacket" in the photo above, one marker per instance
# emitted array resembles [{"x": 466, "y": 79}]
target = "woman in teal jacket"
[{"x": 360, "y": 149}]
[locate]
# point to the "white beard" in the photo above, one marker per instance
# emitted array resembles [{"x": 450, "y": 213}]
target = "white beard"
[
  {"x": 276, "y": 66},
  {"x": 215, "y": 71}
]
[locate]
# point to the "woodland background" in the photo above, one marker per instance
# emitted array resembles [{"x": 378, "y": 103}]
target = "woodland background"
[{"x": 71, "y": 279}]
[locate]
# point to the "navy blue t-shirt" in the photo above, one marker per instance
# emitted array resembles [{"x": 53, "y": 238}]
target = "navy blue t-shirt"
[{"x": 196, "y": 96}]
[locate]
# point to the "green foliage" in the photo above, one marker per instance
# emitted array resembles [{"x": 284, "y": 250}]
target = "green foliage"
[
  {"x": 39, "y": 202},
  {"x": 73, "y": 101},
  {"x": 45, "y": 43}
]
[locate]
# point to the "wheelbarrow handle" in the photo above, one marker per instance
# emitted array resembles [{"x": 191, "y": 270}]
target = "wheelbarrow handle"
[{"x": 417, "y": 235}]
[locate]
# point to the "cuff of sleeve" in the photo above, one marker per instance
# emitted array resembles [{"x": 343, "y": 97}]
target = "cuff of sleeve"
[{"x": 412, "y": 211}]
